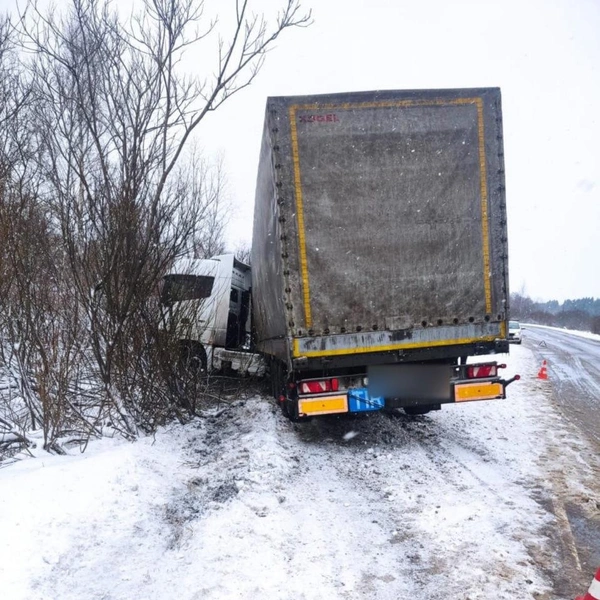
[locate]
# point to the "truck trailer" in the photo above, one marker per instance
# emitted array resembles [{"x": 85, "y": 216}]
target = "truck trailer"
[{"x": 379, "y": 252}]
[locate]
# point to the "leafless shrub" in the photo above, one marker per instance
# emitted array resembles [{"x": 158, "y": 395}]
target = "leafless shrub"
[{"x": 97, "y": 199}]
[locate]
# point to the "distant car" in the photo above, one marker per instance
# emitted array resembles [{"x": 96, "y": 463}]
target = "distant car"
[{"x": 514, "y": 332}]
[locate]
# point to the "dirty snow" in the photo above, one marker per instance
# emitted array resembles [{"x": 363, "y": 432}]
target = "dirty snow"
[{"x": 463, "y": 504}]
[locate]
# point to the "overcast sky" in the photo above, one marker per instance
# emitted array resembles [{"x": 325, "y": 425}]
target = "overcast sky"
[{"x": 544, "y": 55}]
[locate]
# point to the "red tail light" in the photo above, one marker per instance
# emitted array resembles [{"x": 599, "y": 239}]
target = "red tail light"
[
  {"x": 319, "y": 386},
  {"x": 482, "y": 371}
]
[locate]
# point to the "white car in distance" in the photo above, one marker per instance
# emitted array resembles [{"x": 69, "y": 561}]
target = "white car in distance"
[{"x": 515, "y": 332}]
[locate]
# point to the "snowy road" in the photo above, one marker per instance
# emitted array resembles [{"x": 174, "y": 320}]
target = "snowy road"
[
  {"x": 574, "y": 368},
  {"x": 467, "y": 504},
  {"x": 574, "y": 374}
]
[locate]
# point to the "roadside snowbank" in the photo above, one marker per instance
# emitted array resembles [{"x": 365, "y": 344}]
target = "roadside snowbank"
[{"x": 243, "y": 504}]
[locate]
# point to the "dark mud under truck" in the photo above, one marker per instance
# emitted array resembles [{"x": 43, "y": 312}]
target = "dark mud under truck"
[{"x": 379, "y": 252}]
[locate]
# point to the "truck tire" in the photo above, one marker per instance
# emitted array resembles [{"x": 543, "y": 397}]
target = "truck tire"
[
  {"x": 414, "y": 411},
  {"x": 290, "y": 409},
  {"x": 277, "y": 376},
  {"x": 192, "y": 359}
]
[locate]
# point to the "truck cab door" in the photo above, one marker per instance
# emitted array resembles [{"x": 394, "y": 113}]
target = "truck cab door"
[{"x": 234, "y": 324}]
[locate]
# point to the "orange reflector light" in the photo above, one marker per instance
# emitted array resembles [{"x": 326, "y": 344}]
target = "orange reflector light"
[
  {"x": 325, "y": 405},
  {"x": 486, "y": 390}
]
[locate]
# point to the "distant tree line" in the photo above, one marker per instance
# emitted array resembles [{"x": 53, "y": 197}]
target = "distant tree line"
[{"x": 582, "y": 314}]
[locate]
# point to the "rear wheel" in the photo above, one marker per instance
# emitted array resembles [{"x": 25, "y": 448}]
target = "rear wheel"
[
  {"x": 192, "y": 359},
  {"x": 290, "y": 410},
  {"x": 415, "y": 411},
  {"x": 279, "y": 390}
]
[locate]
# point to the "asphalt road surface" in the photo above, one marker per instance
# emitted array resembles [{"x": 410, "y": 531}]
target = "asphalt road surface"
[
  {"x": 573, "y": 364},
  {"x": 574, "y": 372}
]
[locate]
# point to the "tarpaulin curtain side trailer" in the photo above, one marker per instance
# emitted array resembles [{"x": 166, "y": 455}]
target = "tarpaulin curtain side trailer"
[{"x": 380, "y": 229}]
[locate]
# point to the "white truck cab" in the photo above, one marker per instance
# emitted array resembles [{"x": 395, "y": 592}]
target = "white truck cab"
[{"x": 209, "y": 299}]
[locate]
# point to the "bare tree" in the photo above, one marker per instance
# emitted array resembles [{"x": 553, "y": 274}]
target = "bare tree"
[
  {"x": 206, "y": 183},
  {"x": 114, "y": 112},
  {"x": 243, "y": 253}
]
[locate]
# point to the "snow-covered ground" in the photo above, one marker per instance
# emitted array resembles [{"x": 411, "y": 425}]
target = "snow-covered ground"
[{"x": 467, "y": 504}]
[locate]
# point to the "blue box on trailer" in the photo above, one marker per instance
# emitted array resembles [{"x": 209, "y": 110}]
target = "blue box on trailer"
[{"x": 360, "y": 401}]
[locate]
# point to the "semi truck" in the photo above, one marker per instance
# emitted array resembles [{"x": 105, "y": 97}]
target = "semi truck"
[
  {"x": 379, "y": 250},
  {"x": 379, "y": 261}
]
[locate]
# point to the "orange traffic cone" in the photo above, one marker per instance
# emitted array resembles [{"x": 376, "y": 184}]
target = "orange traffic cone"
[
  {"x": 543, "y": 372},
  {"x": 594, "y": 592}
]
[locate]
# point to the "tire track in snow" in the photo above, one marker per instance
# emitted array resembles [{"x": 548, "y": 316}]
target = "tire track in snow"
[{"x": 419, "y": 457}]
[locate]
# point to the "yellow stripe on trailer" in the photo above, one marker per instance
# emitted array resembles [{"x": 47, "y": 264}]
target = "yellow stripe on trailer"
[
  {"x": 484, "y": 390},
  {"x": 323, "y": 405},
  {"x": 300, "y": 217},
  {"x": 487, "y": 274},
  {"x": 298, "y": 352}
]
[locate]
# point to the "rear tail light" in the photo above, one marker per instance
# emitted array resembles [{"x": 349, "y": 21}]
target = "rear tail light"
[
  {"x": 319, "y": 386},
  {"x": 482, "y": 371}
]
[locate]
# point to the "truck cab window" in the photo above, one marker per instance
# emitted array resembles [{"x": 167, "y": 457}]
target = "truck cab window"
[{"x": 177, "y": 288}]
